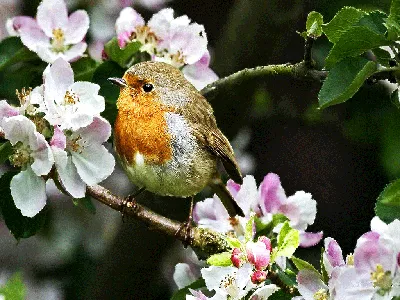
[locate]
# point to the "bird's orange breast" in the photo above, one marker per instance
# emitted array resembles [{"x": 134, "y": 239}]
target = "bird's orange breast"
[{"x": 140, "y": 127}]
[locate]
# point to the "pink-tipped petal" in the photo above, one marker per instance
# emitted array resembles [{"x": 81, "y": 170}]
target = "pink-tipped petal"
[
  {"x": 310, "y": 239},
  {"x": 59, "y": 139},
  {"x": 272, "y": 194}
]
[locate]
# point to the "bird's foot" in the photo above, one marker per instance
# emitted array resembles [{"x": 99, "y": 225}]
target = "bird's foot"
[
  {"x": 187, "y": 227},
  {"x": 130, "y": 202}
]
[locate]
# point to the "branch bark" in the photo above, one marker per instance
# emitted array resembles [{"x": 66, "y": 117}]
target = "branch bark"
[{"x": 204, "y": 241}]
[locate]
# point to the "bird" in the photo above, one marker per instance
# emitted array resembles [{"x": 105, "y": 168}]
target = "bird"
[{"x": 166, "y": 136}]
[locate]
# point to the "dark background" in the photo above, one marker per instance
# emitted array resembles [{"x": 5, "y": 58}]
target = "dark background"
[{"x": 343, "y": 155}]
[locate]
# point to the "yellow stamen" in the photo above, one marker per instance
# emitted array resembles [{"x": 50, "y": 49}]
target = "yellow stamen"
[
  {"x": 23, "y": 95},
  {"x": 381, "y": 279},
  {"x": 58, "y": 40},
  {"x": 350, "y": 260},
  {"x": 70, "y": 98},
  {"x": 321, "y": 295}
]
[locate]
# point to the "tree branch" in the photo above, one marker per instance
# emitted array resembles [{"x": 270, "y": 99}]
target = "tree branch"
[
  {"x": 299, "y": 70},
  {"x": 204, "y": 241}
]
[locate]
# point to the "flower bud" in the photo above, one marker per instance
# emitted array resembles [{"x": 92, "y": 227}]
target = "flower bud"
[
  {"x": 235, "y": 257},
  {"x": 258, "y": 254},
  {"x": 266, "y": 241},
  {"x": 258, "y": 276}
]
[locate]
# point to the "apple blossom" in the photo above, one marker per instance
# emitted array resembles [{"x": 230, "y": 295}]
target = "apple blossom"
[
  {"x": 176, "y": 41},
  {"x": 53, "y": 33},
  {"x": 68, "y": 104},
  {"x": 267, "y": 200},
  {"x": 80, "y": 157},
  {"x": 32, "y": 154}
]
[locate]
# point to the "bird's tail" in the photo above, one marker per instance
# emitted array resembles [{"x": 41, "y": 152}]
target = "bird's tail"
[{"x": 226, "y": 198}]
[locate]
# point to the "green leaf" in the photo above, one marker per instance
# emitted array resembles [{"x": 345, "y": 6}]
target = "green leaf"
[
  {"x": 342, "y": 22},
  {"x": 6, "y": 150},
  {"x": 19, "y": 225},
  {"x": 280, "y": 295},
  {"x": 388, "y": 204},
  {"x": 181, "y": 294},
  {"x": 266, "y": 229},
  {"x": 107, "y": 89},
  {"x": 220, "y": 259},
  {"x": 354, "y": 42},
  {"x": 233, "y": 242},
  {"x": 314, "y": 24},
  {"x": 14, "y": 289},
  {"x": 121, "y": 56},
  {"x": 86, "y": 203},
  {"x": 393, "y": 21},
  {"x": 288, "y": 241},
  {"x": 13, "y": 51},
  {"x": 84, "y": 69},
  {"x": 303, "y": 265},
  {"x": 374, "y": 20},
  {"x": 344, "y": 80},
  {"x": 382, "y": 57}
]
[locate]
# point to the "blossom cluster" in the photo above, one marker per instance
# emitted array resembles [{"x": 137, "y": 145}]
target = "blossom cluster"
[
  {"x": 244, "y": 271},
  {"x": 176, "y": 41},
  {"x": 267, "y": 200},
  {"x": 371, "y": 272},
  {"x": 57, "y": 127}
]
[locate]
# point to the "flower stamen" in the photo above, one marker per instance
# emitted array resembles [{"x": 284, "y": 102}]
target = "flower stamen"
[
  {"x": 321, "y": 295},
  {"x": 70, "y": 98},
  {"x": 58, "y": 40},
  {"x": 381, "y": 279},
  {"x": 21, "y": 156}
]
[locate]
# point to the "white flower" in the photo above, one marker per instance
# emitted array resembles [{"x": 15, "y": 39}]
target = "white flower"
[
  {"x": 80, "y": 157},
  {"x": 68, "y": 104},
  {"x": 32, "y": 153},
  {"x": 53, "y": 34}
]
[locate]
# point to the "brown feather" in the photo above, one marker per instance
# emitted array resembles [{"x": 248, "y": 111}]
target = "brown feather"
[{"x": 205, "y": 129}]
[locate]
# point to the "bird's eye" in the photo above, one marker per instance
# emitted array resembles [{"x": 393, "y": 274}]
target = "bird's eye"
[{"x": 147, "y": 87}]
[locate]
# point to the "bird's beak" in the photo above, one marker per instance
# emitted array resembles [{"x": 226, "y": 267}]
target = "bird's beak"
[{"x": 118, "y": 81}]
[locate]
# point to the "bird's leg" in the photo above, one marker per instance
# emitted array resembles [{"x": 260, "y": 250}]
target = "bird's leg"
[
  {"x": 130, "y": 201},
  {"x": 187, "y": 226}
]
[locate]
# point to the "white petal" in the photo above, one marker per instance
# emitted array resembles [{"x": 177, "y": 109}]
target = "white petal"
[
  {"x": 34, "y": 38},
  {"x": 18, "y": 129},
  {"x": 6, "y": 110},
  {"x": 160, "y": 23},
  {"x": 199, "y": 77},
  {"x": 28, "y": 192},
  {"x": 128, "y": 20},
  {"x": 264, "y": 292},
  {"x": 42, "y": 155},
  {"x": 309, "y": 282},
  {"x": 213, "y": 276},
  {"x": 90, "y": 101},
  {"x": 93, "y": 164},
  {"x": 97, "y": 132},
  {"x": 52, "y": 14},
  {"x": 78, "y": 25},
  {"x": 46, "y": 54},
  {"x": 183, "y": 275},
  {"x": 76, "y": 120},
  {"x": 70, "y": 179},
  {"x": 75, "y": 52},
  {"x": 247, "y": 197},
  {"x": 377, "y": 225},
  {"x": 57, "y": 78},
  {"x": 301, "y": 209}
]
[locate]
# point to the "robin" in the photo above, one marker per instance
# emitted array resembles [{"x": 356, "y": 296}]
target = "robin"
[{"x": 166, "y": 136}]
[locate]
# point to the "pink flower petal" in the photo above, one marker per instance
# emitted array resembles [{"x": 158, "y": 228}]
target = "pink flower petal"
[
  {"x": 6, "y": 110},
  {"x": 21, "y": 22},
  {"x": 257, "y": 254},
  {"x": 78, "y": 25},
  {"x": 211, "y": 213},
  {"x": 272, "y": 193},
  {"x": 128, "y": 21},
  {"x": 309, "y": 239},
  {"x": 59, "y": 139},
  {"x": 97, "y": 132},
  {"x": 52, "y": 14}
]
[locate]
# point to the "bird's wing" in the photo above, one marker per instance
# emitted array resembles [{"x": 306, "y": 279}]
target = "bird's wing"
[{"x": 205, "y": 129}]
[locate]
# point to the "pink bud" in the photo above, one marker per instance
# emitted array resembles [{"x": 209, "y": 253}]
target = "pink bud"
[
  {"x": 258, "y": 254},
  {"x": 266, "y": 241},
  {"x": 258, "y": 276},
  {"x": 235, "y": 257}
]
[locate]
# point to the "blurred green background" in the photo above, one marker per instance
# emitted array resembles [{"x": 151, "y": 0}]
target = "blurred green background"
[{"x": 343, "y": 155}]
